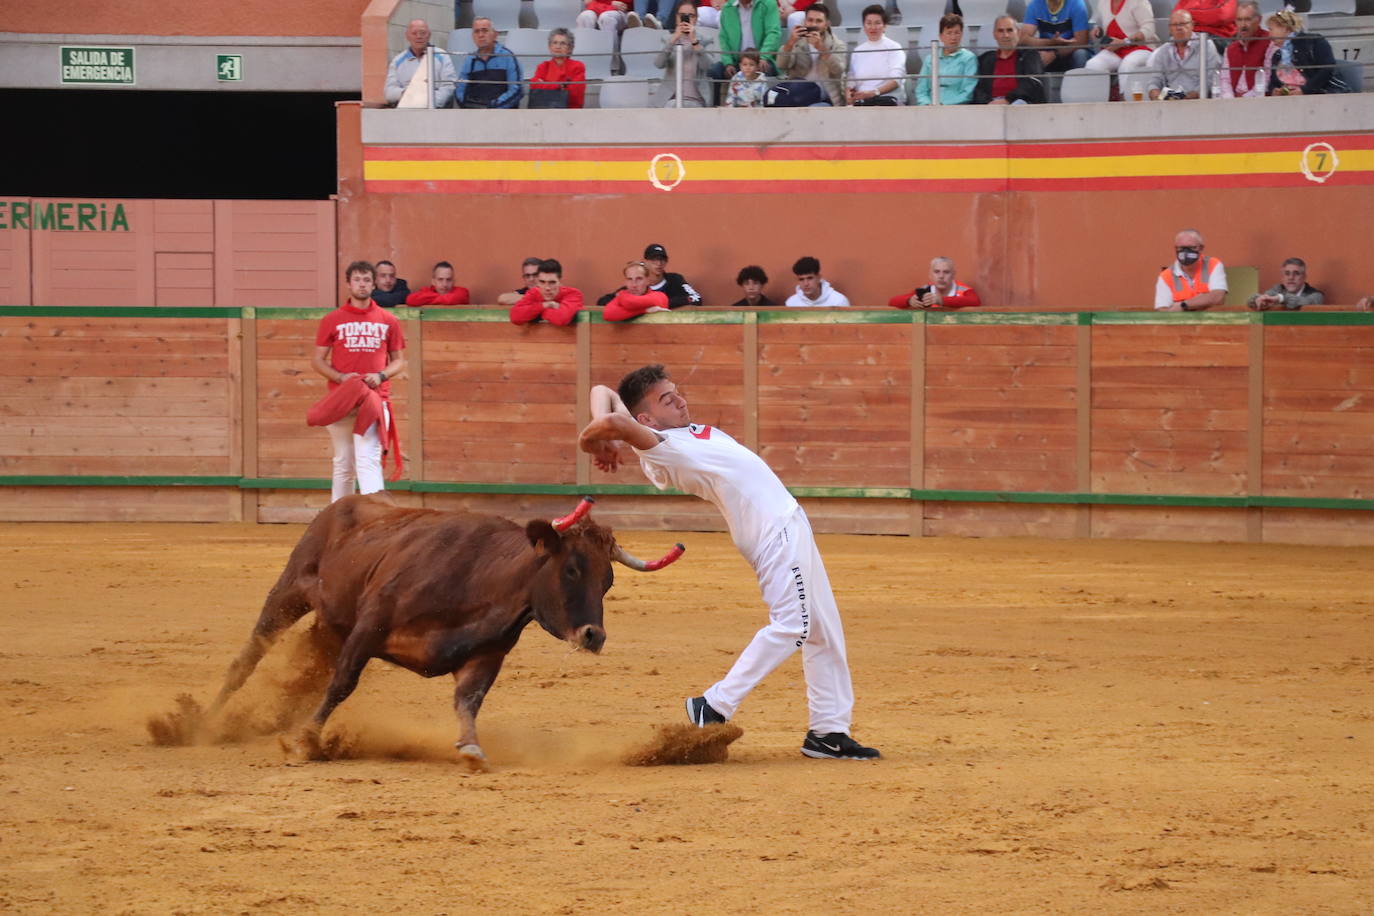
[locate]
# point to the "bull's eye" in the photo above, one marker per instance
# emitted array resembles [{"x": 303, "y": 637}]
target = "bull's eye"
[{"x": 571, "y": 572}]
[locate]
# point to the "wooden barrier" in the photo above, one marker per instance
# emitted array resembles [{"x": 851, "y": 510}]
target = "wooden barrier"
[{"x": 1231, "y": 426}]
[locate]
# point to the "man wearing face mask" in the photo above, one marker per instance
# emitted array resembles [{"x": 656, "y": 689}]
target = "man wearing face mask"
[{"x": 1192, "y": 283}]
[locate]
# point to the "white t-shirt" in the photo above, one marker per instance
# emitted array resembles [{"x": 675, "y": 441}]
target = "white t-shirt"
[
  {"x": 1164, "y": 296},
  {"x": 873, "y": 63},
  {"x": 706, "y": 462}
]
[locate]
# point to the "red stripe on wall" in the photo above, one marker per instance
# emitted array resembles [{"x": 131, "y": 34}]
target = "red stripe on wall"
[
  {"x": 700, "y": 153},
  {"x": 688, "y": 187}
]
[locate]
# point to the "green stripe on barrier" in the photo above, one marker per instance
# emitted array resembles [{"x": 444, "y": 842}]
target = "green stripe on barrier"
[
  {"x": 1153, "y": 317},
  {"x": 840, "y": 316},
  {"x": 614, "y": 489},
  {"x": 681, "y": 316},
  {"x": 116, "y": 311},
  {"x": 1317, "y": 318},
  {"x": 1012, "y": 318}
]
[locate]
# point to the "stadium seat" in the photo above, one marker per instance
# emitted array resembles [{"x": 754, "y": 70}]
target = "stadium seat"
[
  {"x": 979, "y": 16},
  {"x": 1083, "y": 85},
  {"x": 460, "y": 41},
  {"x": 555, "y": 14},
  {"x": 530, "y": 47},
  {"x": 622, "y": 92},
  {"x": 1332, "y": 7},
  {"x": 1162, "y": 9},
  {"x": 504, "y": 14},
  {"x": 638, "y": 48},
  {"x": 849, "y": 13},
  {"x": 593, "y": 48}
]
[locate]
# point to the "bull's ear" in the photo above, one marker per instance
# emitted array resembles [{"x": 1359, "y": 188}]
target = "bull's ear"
[{"x": 543, "y": 536}]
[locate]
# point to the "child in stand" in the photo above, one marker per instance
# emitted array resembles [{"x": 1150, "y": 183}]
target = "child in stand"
[{"x": 747, "y": 87}]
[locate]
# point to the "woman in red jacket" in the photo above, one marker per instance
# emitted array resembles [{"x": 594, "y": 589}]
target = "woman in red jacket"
[
  {"x": 560, "y": 72},
  {"x": 634, "y": 298}
]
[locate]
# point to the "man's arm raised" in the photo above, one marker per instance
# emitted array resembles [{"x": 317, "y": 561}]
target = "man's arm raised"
[{"x": 611, "y": 424}]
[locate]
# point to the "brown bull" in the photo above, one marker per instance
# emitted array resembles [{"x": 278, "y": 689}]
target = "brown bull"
[{"x": 436, "y": 593}]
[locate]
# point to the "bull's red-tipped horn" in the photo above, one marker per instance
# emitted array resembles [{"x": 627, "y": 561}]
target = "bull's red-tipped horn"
[
  {"x": 563, "y": 524},
  {"x": 621, "y": 555}
]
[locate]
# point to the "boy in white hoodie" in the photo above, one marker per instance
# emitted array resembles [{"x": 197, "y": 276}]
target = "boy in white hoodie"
[{"x": 812, "y": 290}]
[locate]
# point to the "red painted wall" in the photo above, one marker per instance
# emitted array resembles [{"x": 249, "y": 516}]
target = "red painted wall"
[{"x": 145, "y": 17}]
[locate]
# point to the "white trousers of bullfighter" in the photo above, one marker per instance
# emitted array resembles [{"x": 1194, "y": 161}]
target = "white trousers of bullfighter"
[
  {"x": 356, "y": 457},
  {"x": 802, "y": 614}
]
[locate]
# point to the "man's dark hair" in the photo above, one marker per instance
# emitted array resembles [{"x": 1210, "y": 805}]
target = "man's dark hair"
[
  {"x": 752, "y": 272},
  {"x": 386, "y": 262},
  {"x": 550, "y": 266},
  {"x": 808, "y": 264},
  {"x": 441, "y": 264},
  {"x": 950, "y": 20},
  {"x": 360, "y": 267},
  {"x": 820, "y": 8},
  {"x": 874, "y": 9},
  {"x": 750, "y": 55},
  {"x": 636, "y": 385},
  {"x": 531, "y": 262}
]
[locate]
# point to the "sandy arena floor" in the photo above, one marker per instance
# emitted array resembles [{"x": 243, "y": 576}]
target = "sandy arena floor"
[{"x": 1067, "y": 727}]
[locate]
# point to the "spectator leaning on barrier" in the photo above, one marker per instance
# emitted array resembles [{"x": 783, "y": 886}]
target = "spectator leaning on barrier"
[
  {"x": 1193, "y": 282},
  {"x": 1292, "y": 292},
  {"x": 812, "y": 63},
  {"x": 405, "y": 65},
  {"x": 390, "y": 290},
  {"x": 1059, "y": 30},
  {"x": 698, "y": 56},
  {"x": 1174, "y": 64},
  {"x": 1010, "y": 75},
  {"x": 1248, "y": 58},
  {"x": 491, "y": 75},
  {"x": 1211, "y": 17},
  {"x": 529, "y": 273},
  {"x": 958, "y": 66},
  {"x": 942, "y": 292},
  {"x": 1128, "y": 28},
  {"x": 1304, "y": 63},
  {"x": 674, "y": 286},
  {"x": 812, "y": 290},
  {"x": 748, "y": 87},
  {"x": 634, "y": 298},
  {"x": 441, "y": 290},
  {"x": 748, "y": 25},
  {"x": 877, "y": 65},
  {"x": 549, "y": 300},
  {"x": 560, "y": 81},
  {"x": 752, "y": 280},
  {"x": 358, "y": 343}
]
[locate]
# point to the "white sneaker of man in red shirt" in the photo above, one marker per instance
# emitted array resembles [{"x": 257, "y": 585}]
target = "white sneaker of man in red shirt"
[{"x": 772, "y": 533}]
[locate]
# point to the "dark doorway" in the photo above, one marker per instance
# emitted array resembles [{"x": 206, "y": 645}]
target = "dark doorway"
[{"x": 116, "y": 143}]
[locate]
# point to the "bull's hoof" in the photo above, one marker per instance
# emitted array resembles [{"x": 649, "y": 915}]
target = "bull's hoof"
[
  {"x": 471, "y": 756},
  {"x": 303, "y": 747}
]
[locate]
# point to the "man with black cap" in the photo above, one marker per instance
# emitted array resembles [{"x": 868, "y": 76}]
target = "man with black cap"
[{"x": 678, "y": 290}]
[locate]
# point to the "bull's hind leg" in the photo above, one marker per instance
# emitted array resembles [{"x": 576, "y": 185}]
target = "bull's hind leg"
[
  {"x": 360, "y": 646},
  {"x": 471, "y": 683},
  {"x": 286, "y": 603}
]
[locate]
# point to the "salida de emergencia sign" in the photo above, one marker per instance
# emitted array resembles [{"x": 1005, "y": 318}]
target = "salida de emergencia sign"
[{"x": 99, "y": 66}]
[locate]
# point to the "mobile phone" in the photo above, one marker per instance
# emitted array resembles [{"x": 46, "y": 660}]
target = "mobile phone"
[
  {"x": 922, "y": 292},
  {"x": 684, "y": 17}
]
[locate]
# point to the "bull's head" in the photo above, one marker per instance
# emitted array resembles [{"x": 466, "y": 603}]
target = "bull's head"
[{"x": 569, "y": 585}]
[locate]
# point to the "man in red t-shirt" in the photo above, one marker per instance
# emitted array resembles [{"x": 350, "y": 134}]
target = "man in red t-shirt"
[
  {"x": 548, "y": 299},
  {"x": 944, "y": 292},
  {"x": 1009, "y": 75},
  {"x": 441, "y": 290},
  {"x": 359, "y": 339}
]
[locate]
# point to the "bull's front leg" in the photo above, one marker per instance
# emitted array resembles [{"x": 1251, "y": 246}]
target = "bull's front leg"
[
  {"x": 360, "y": 646},
  {"x": 471, "y": 683}
]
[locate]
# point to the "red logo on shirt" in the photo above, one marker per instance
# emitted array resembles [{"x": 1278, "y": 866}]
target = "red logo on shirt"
[{"x": 701, "y": 432}]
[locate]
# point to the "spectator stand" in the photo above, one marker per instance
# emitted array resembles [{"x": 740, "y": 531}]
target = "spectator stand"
[
  {"x": 504, "y": 14},
  {"x": 554, "y": 14}
]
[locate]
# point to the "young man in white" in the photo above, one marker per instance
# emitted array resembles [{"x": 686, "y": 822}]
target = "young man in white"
[{"x": 772, "y": 533}]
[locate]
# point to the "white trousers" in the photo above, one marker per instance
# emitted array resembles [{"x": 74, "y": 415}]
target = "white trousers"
[
  {"x": 801, "y": 614},
  {"x": 708, "y": 17},
  {"x": 356, "y": 457},
  {"x": 1130, "y": 67},
  {"x": 610, "y": 21}
]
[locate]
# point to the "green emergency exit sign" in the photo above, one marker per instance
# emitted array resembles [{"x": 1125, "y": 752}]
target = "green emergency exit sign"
[
  {"x": 228, "y": 67},
  {"x": 100, "y": 66}
]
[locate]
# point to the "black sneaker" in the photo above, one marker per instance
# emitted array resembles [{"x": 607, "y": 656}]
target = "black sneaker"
[
  {"x": 701, "y": 713},
  {"x": 836, "y": 746}
]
